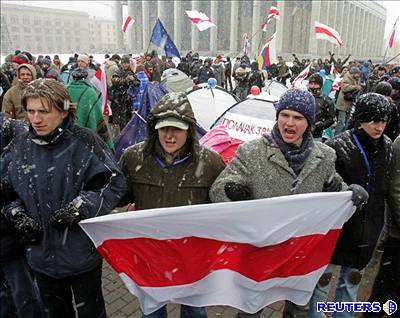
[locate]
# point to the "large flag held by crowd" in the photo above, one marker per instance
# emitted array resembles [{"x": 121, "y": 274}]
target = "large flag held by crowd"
[
  {"x": 161, "y": 39},
  {"x": 324, "y": 32},
  {"x": 273, "y": 12},
  {"x": 200, "y": 20},
  {"x": 262, "y": 250}
]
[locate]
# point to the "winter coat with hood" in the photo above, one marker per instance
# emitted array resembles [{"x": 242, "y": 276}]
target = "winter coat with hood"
[
  {"x": 46, "y": 173},
  {"x": 261, "y": 166},
  {"x": 12, "y": 106},
  {"x": 89, "y": 109},
  {"x": 349, "y": 84},
  {"x": 151, "y": 182},
  {"x": 360, "y": 233}
]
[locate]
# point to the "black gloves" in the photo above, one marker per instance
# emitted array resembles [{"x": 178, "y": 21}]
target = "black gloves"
[
  {"x": 68, "y": 215},
  {"x": 359, "y": 196},
  {"x": 237, "y": 192},
  {"x": 28, "y": 230}
]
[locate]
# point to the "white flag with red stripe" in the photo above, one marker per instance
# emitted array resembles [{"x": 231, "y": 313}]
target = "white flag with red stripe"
[
  {"x": 301, "y": 77},
  {"x": 99, "y": 81},
  {"x": 325, "y": 32},
  {"x": 273, "y": 12},
  {"x": 201, "y": 20},
  {"x": 243, "y": 254},
  {"x": 127, "y": 23},
  {"x": 393, "y": 34}
]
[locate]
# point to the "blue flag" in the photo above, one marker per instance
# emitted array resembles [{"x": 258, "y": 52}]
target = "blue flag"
[{"x": 160, "y": 38}]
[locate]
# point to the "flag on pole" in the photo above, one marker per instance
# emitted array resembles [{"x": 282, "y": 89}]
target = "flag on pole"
[
  {"x": 200, "y": 20},
  {"x": 267, "y": 55},
  {"x": 301, "y": 77},
  {"x": 128, "y": 23},
  {"x": 161, "y": 38},
  {"x": 325, "y": 32},
  {"x": 273, "y": 12},
  {"x": 243, "y": 254},
  {"x": 393, "y": 34},
  {"x": 99, "y": 81}
]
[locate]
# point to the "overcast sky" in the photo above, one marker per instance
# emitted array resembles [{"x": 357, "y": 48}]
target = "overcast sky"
[{"x": 104, "y": 8}]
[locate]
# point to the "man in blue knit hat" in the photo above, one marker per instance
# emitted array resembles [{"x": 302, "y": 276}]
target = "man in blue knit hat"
[{"x": 283, "y": 162}]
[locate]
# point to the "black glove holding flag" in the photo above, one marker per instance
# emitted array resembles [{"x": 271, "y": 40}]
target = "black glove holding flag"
[
  {"x": 67, "y": 216},
  {"x": 359, "y": 196},
  {"x": 27, "y": 229},
  {"x": 237, "y": 192}
]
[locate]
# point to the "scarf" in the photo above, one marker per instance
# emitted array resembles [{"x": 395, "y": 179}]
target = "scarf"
[
  {"x": 294, "y": 155},
  {"x": 54, "y": 135}
]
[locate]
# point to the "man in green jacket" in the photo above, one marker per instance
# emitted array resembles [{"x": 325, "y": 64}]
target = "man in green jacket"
[{"x": 88, "y": 106}]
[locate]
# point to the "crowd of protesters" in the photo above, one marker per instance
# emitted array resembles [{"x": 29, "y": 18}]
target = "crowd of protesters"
[{"x": 58, "y": 167}]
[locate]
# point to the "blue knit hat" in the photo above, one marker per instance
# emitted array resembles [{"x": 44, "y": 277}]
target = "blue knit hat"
[{"x": 298, "y": 100}]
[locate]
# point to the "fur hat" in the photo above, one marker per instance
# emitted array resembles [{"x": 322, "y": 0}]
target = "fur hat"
[
  {"x": 297, "y": 100},
  {"x": 371, "y": 107},
  {"x": 84, "y": 58}
]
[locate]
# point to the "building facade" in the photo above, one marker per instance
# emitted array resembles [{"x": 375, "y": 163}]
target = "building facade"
[{"x": 42, "y": 30}]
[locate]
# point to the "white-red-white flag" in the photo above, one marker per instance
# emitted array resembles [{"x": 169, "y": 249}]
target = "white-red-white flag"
[
  {"x": 273, "y": 12},
  {"x": 393, "y": 34},
  {"x": 127, "y": 23},
  {"x": 325, "y": 32},
  {"x": 99, "y": 81},
  {"x": 202, "y": 21},
  {"x": 301, "y": 77},
  {"x": 243, "y": 254}
]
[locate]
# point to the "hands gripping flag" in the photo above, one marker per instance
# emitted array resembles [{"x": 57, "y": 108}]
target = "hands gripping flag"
[
  {"x": 262, "y": 250},
  {"x": 200, "y": 20}
]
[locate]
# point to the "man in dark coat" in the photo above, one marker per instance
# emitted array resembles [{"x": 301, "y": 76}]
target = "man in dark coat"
[
  {"x": 58, "y": 174},
  {"x": 170, "y": 168},
  {"x": 325, "y": 109},
  {"x": 17, "y": 291},
  {"x": 363, "y": 156}
]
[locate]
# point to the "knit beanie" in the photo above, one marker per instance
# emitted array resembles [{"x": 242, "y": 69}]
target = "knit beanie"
[
  {"x": 297, "y": 100},
  {"x": 84, "y": 58},
  {"x": 354, "y": 69},
  {"x": 21, "y": 59},
  {"x": 46, "y": 61}
]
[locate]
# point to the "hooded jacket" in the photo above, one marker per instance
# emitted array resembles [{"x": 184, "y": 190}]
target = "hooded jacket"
[
  {"x": 46, "y": 174},
  {"x": 151, "y": 182},
  {"x": 12, "y": 106}
]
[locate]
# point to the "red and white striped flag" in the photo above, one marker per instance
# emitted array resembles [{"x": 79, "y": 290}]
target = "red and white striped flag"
[
  {"x": 127, "y": 23},
  {"x": 99, "y": 81},
  {"x": 199, "y": 19},
  {"x": 243, "y": 254},
  {"x": 325, "y": 32},
  {"x": 301, "y": 77},
  {"x": 393, "y": 34},
  {"x": 273, "y": 12},
  {"x": 333, "y": 70}
]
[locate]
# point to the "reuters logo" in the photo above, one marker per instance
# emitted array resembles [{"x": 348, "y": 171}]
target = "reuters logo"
[{"x": 390, "y": 307}]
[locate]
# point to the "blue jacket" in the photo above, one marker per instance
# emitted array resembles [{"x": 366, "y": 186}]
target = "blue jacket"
[{"x": 49, "y": 172}]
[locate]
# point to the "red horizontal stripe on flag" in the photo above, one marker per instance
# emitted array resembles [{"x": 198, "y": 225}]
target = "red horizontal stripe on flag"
[
  {"x": 161, "y": 263},
  {"x": 327, "y": 32}
]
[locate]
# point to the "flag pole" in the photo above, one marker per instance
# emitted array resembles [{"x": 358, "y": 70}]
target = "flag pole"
[
  {"x": 237, "y": 53},
  {"x": 398, "y": 54}
]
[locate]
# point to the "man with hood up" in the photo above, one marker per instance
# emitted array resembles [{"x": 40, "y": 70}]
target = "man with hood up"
[
  {"x": 12, "y": 106},
  {"x": 170, "y": 168}
]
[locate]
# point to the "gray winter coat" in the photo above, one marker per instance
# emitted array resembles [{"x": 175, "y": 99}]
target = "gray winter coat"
[{"x": 263, "y": 168}]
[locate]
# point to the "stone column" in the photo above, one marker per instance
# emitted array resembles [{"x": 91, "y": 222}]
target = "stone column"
[
  {"x": 213, "y": 31},
  {"x": 162, "y": 11},
  {"x": 178, "y": 24},
  {"x": 315, "y": 10},
  {"x": 195, "y": 30},
  {"x": 233, "y": 48},
  {"x": 255, "y": 41},
  {"x": 130, "y": 34},
  {"x": 118, "y": 24},
  {"x": 146, "y": 26}
]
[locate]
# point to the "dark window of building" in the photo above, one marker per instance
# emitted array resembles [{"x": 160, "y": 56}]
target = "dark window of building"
[{"x": 26, "y": 19}]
